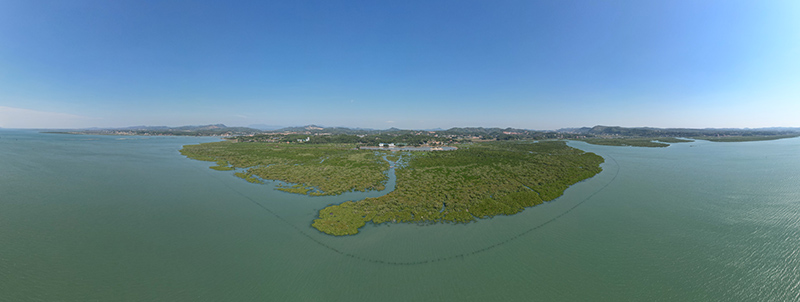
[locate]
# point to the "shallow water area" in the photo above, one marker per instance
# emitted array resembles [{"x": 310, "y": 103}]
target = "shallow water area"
[{"x": 112, "y": 218}]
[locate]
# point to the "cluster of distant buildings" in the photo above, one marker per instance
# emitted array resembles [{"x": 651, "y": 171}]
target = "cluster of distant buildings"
[{"x": 393, "y": 147}]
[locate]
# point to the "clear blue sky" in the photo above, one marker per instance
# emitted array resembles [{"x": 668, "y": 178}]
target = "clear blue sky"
[{"x": 406, "y": 64}]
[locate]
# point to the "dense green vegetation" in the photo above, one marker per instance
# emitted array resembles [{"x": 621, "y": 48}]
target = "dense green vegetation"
[
  {"x": 673, "y": 140},
  {"x": 482, "y": 180},
  {"x": 222, "y": 166},
  {"x": 330, "y": 169},
  {"x": 476, "y": 181},
  {"x": 248, "y": 177},
  {"x": 297, "y": 189}
]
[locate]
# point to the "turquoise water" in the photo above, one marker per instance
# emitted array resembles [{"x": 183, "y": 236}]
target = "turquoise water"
[{"x": 107, "y": 218}]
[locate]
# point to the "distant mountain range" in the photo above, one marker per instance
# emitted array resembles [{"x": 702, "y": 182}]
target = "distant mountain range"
[{"x": 480, "y": 132}]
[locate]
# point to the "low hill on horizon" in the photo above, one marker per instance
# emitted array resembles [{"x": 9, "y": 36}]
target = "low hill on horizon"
[{"x": 494, "y": 133}]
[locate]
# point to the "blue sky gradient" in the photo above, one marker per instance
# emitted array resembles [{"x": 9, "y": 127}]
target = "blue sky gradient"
[{"x": 406, "y": 64}]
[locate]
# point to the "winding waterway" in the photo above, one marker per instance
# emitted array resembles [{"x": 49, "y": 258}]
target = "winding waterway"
[{"x": 110, "y": 218}]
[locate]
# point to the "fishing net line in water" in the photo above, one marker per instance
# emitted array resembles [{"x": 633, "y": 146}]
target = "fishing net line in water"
[{"x": 427, "y": 260}]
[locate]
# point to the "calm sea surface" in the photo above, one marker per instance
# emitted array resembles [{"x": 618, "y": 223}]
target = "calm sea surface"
[{"x": 108, "y": 218}]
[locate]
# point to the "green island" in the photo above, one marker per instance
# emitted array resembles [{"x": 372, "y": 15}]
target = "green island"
[
  {"x": 635, "y": 142},
  {"x": 725, "y": 139},
  {"x": 673, "y": 140},
  {"x": 478, "y": 180}
]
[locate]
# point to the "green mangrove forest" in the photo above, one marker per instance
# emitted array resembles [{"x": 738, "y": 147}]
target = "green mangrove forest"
[
  {"x": 478, "y": 180},
  {"x": 329, "y": 169}
]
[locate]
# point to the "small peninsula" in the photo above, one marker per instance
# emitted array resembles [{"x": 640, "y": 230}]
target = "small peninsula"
[
  {"x": 662, "y": 137},
  {"x": 477, "y": 180}
]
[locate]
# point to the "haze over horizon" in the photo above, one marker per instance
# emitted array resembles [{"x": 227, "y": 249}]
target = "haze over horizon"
[{"x": 411, "y": 65}]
